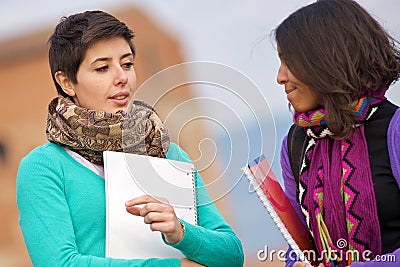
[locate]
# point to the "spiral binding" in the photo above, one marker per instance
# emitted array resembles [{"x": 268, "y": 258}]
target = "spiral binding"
[
  {"x": 194, "y": 182},
  {"x": 278, "y": 222}
]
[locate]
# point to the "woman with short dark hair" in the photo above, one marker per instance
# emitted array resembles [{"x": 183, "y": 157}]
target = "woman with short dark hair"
[{"x": 60, "y": 185}]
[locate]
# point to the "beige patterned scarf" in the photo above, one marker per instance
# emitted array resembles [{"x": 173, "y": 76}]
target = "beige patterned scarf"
[{"x": 138, "y": 130}]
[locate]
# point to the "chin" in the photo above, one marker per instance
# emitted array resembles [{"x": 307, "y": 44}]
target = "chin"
[{"x": 299, "y": 109}]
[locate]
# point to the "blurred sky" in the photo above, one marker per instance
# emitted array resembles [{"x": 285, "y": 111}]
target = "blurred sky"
[{"x": 230, "y": 32}]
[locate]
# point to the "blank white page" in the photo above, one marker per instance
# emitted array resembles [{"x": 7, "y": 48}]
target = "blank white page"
[{"x": 130, "y": 175}]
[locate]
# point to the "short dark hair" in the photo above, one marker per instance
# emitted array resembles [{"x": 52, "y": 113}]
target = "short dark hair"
[
  {"x": 75, "y": 34},
  {"x": 338, "y": 49}
]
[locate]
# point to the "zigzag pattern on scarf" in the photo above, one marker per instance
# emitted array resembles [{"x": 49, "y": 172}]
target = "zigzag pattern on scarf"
[
  {"x": 318, "y": 117},
  {"x": 308, "y": 119},
  {"x": 353, "y": 220},
  {"x": 346, "y": 164}
]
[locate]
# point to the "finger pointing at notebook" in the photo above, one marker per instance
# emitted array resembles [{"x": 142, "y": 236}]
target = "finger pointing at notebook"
[{"x": 159, "y": 214}]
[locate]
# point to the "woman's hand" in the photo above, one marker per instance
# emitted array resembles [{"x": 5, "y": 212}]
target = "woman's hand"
[
  {"x": 189, "y": 263},
  {"x": 160, "y": 215}
]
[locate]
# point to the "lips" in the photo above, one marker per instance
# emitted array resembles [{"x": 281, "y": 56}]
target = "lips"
[
  {"x": 289, "y": 90},
  {"x": 120, "y": 98}
]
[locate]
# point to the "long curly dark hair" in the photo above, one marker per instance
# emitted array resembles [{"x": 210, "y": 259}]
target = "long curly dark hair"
[{"x": 338, "y": 49}]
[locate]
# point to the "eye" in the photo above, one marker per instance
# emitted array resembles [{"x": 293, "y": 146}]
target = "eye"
[
  {"x": 102, "y": 69},
  {"x": 128, "y": 65}
]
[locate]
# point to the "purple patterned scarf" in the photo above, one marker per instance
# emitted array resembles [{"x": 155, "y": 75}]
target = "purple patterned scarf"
[{"x": 336, "y": 190}]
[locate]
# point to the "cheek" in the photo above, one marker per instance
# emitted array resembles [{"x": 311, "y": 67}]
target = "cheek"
[
  {"x": 133, "y": 81},
  {"x": 316, "y": 101},
  {"x": 304, "y": 101}
]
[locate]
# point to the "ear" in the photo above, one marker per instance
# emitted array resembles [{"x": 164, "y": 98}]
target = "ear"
[{"x": 65, "y": 83}]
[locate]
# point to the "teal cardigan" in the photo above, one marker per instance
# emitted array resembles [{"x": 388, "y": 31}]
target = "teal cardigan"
[{"x": 62, "y": 214}]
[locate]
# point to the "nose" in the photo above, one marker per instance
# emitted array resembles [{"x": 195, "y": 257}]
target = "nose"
[
  {"x": 282, "y": 77},
  {"x": 121, "y": 76}
]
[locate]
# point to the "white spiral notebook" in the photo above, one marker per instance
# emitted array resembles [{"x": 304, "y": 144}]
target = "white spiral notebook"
[{"x": 128, "y": 176}]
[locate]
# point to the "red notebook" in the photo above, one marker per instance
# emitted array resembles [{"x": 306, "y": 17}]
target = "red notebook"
[{"x": 274, "y": 199}]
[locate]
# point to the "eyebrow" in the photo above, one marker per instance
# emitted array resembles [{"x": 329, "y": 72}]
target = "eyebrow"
[{"x": 109, "y": 58}]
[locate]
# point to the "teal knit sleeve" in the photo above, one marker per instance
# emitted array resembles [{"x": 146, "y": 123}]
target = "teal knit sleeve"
[
  {"x": 212, "y": 242},
  {"x": 46, "y": 222}
]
